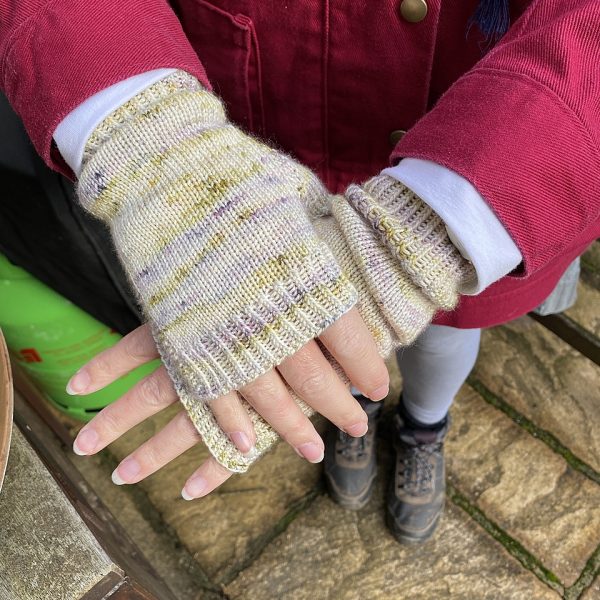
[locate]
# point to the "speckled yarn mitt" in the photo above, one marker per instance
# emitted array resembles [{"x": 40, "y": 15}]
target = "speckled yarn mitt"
[
  {"x": 212, "y": 230},
  {"x": 396, "y": 251}
]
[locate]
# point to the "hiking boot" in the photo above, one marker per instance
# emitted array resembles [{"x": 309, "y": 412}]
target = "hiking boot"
[
  {"x": 418, "y": 487},
  {"x": 350, "y": 465}
]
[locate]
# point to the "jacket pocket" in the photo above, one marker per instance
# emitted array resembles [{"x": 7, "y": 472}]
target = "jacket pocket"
[{"x": 228, "y": 48}]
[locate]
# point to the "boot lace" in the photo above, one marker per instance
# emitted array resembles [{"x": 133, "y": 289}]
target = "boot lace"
[
  {"x": 351, "y": 448},
  {"x": 416, "y": 469}
]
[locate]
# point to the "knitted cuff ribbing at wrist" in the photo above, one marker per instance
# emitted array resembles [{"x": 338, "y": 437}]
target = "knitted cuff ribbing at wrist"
[
  {"x": 140, "y": 104},
  {"x": 404, "y": 306},
  {"x": 415, "y": 235}
]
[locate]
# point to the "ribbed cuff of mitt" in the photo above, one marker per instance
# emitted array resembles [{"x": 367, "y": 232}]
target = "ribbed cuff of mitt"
[
  {"x": 415, "y": 235},
  {"x": 398, "y": 254},
  {"x": 211, "y": 228}
]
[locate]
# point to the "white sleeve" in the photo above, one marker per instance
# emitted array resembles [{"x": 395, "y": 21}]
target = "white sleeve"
[
  {"x": 471, "y": 224},
  {"x": 74, "y": 130}
]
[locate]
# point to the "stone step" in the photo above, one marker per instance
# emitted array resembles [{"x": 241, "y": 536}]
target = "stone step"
[
  {"x": 545, "y": 380},
  {"x": 46, "y": 549},
  {"x": 524, "y": 487},
  {"x": 331, "y": 553}
]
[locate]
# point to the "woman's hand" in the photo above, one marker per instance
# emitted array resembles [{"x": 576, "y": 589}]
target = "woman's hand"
[
  {"x": 212, "y": 229},
  {"x": 307, "y": 372}
]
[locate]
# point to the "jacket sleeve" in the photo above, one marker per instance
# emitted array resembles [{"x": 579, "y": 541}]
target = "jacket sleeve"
[
  {"x": 523, "y": 127},
  {"x": 55, "y": 53}
]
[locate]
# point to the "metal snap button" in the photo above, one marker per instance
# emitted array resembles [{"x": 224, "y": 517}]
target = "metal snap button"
[
  {"x": 396, "y": 136},
  {"x": 413, "y": 11}
]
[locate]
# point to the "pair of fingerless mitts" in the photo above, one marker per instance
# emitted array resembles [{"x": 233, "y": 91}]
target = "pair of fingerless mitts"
[{"x": 238, "y": 254}]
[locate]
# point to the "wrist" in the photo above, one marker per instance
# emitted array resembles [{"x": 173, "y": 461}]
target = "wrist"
[
  {"x": 472, "y": 225},
  {"x": 138, "y": 107},
  {"x": 72, "y": 133},
  {"x": 416, "y": 237}
]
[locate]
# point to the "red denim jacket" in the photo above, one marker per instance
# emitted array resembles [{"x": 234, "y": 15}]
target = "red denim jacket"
[{"x": 330, "y": 80}]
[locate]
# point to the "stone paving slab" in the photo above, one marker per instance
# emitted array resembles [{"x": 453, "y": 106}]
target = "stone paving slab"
[
  {"x": 593, "y": 592},
  {"x": 586, "y": 311},
  {"x": 332, "y": 554},
  {"x": 224, "y": 528},
  {"x": 547, "y": 381},
  {"x": 523, "y": 486}
]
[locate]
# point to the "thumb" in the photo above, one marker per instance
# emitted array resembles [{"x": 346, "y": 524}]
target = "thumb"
[{"x": 329, "y": 230}]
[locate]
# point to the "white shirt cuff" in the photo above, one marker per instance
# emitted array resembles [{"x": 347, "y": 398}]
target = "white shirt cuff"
[
  {"x": 73, "y": 131},
  {"x": 471, "y": 224}
]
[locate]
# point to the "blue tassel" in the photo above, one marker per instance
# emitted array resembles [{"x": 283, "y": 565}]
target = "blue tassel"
[{"x": 492, "y": 17}]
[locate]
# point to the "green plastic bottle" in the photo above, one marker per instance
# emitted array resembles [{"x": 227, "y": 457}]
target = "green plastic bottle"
[{"x": 51, "y": 338}]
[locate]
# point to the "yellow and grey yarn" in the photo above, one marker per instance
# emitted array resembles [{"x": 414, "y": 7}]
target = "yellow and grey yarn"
[
  {"x": 211, "y": 227},
  {"x": 416, "y": 237},
  {"x": 396, "y": 251}
]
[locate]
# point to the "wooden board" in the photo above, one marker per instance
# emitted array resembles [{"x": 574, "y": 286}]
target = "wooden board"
[
  {"x": 47, "y": 551},
  {"x": 134, "y": 568},
  {"x": 6, "y": 407}
]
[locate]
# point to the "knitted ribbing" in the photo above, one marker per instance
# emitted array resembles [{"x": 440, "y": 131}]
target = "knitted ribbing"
[
  {"x": 403, "y": 281},
  {"x": 416, "y": 236},
  {"x": 405, "y": 308},
  {"x": 211, "y": 229}
]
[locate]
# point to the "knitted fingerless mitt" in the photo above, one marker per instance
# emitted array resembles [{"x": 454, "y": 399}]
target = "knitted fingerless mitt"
[
  {"x": 210, "y": 226},
  {"x": 396, "y": 251}
]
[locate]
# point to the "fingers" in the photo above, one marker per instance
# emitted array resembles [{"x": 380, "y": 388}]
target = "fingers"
[
  {"x": 234, "y": 420},
  {"x": 148, "y": 397},
  {"x": 173, "y": 440},
  {"x": 207, "y": 478},
  {"x": 134, "y": 350},
  {"x": 311, "y": 376},
  {"x": 353, "y": 346},
  {"x": 271, "y": 399}
]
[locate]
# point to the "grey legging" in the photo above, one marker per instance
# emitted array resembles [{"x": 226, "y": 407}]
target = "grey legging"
[{"x": 434, "y": 368}]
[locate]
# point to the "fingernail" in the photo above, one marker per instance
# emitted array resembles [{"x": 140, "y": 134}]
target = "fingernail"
[
  {"x": 194, "y": 488},
  {"x": 116, "y": 479},
  {"x": 380, "y": 393},
  {"x": 312, "y": 452},
  {"x": 78, "y": 383},
  {"x": 253, "y": 454},
  {"x": 126, "y": 471},
  {"x": 358, "y": 429},
  {"x": 85, "y": 442},
  {"x": 241, "y": 440}
]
